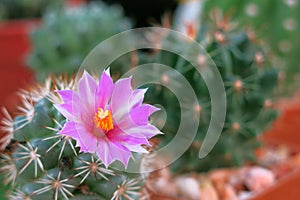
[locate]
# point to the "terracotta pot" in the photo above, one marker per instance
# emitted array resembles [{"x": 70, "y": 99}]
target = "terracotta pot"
[
  {"x": 15, "y": 44},
  {"x": 286, "y": 188},
  {"x": 285, "y": 129},
  {"x": 75, "y": 3}
]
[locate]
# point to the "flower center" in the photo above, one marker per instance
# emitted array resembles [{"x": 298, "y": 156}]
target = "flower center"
[{"x": 103, "y": 119}]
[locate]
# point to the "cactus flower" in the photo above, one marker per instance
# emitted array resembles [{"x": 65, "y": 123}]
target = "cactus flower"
[{"x": 107, "y": 118}]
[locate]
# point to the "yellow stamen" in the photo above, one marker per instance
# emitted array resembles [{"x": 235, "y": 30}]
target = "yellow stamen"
[{"x": 103, "y": 119}]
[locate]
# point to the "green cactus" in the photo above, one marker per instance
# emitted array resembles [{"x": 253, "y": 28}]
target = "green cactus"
[
  {"x": 250, "y": 79},
  {"x": 66, "y": 36},
  {"x": 276, "y": 21},
  {"x": 41, "y": 164}
]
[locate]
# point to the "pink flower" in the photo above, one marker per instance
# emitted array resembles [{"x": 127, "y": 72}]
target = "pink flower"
[{"x": 107, "y": 118}]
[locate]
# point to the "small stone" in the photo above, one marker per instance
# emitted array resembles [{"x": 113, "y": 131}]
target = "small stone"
[
  {"x": 208, "y": 192},
  {"x": 244, "y": 195},
  {"x": 188, "y": 187},
  {"x": 220, "y": 176},
  {"x": 258, "y": 178},
  {"x": 228, "y": 193}
]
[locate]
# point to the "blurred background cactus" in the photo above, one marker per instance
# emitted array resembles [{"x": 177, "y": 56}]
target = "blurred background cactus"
[
  {"x": 250, "y": 78},
  {"x": 16, "y": 9},
  {"x": 277, "y": 22},
  {"x": 40, "y": 164},
  {"x": 67, "y": 36}
]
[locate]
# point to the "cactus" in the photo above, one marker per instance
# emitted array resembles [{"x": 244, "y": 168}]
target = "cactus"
[
  {"x": 66, "y": 36},
  {"x": 277, "y": 22},
  {"x": 16, "y": 9},
  {"x": 39, "y": 163},
  {"x": 250, "y": 80}
]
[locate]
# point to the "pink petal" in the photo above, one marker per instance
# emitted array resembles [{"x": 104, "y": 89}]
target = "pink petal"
[
  {"x": 69, "y": 129},
  {"x": 120, "y": 98},
  {"x": 140, "y": 115},
  {"x": 117, "y": 135},
  {"x": 70, "y": 108},
  {"x": 137, "y": 116},
  {"x": 137, "y": 97},
  {"x": 81, "y": 146},
  {"x": 69, "y": 96},
  {"x": 66, "y": 95},
  {"x": 131, "y": 140},
  {"x": 108, "y": 152},
  {"x": 147, "y": 131},
  {"x": 70, "y": 111},
  {"x": 136, "y": 148},
  {"x": 104, "y": 90},
  {"x": 86, "y": 138},
  {"x": 87, "y": 87},
  {"x": 127, "y": 142},
  {"x": 66, "y": 110}
]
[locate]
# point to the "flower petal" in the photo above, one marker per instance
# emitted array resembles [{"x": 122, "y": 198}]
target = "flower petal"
[
  {"x": 87, "y": 89},
  {"x": 66, "y": 110},
  {"x": 66, "y": 95},
  {"x": 127, "y": 142},
  {"x": 108, "y": 152},
  {"x": 137, "y": 97},
  {"x": 70, "y": 130},
  {"x": 136, "y": 148},
  {"x": 86, "y": 138},
  {"x": 147, "y": 131},
  {"x": 70, "y": 108},
  {"x": 117, "y": 135},
  {"x": 104, "y": 90},
  {"x": 138, "y": 116},
  {"x": 120, "y": 98}
]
